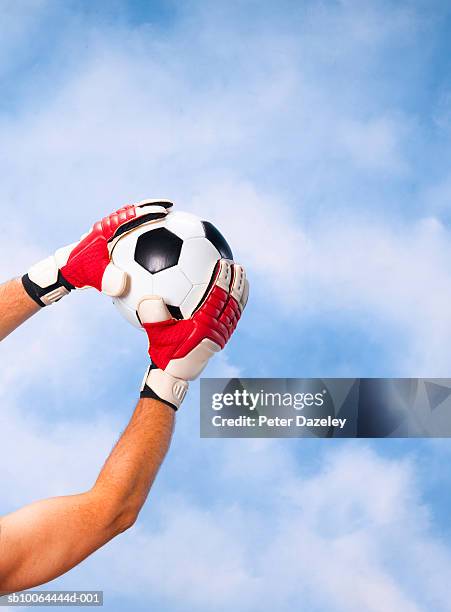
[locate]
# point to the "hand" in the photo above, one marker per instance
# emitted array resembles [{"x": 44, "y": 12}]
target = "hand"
[
  {"x": 180, "y": 350},
  {"x": 86, "y": 263}
]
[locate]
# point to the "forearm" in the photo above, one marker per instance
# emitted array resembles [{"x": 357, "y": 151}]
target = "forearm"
[
  {"x": 15, "y": 307},
  {"x": 131, "y": 468},
  {"x": 46, "y": 539}
]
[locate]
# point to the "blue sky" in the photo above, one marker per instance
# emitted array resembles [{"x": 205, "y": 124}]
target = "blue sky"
[{"x": 317, "y": 136}]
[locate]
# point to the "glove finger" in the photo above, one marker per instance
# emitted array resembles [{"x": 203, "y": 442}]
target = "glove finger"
[
  {"x": 143, "y": 215},
  {"x": 238, "y": 282},
  {"x": 240, "y": 286},
  {"x": 245, "y": 296},
  {"x": 114, "y": 281},
  {"x": 124, "y": 209},
  {"x": 239, "y": 291},
  {"x": 211, "y": 310},
  {"x": 217, "y": 297},
  {"x": 145, "y": 206},
  {"x": 151, "y": 212},
  {"x": 152, "y": 309},
  {"x": 224, "y": 275}
]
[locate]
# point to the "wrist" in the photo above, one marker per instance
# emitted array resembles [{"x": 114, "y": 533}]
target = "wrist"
[
  {"x": 158, "y": 384},
  {"x": 44, "y": 282}
]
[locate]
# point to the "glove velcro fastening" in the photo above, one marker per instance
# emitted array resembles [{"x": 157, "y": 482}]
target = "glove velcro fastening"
[
  {"x": 160, "y": 385},
  {"x": 44, "y": 296},
  {"x": 134, "y": 223}
]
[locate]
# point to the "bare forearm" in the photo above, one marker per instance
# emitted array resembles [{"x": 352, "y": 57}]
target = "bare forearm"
[
  {"x": 46, "y": 539},
  {"x": 15, "y": 307},
  {"x": 133, "y": 464}
]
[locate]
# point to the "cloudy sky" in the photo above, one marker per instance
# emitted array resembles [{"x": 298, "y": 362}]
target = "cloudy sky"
[{"x": 317, "y": 136}]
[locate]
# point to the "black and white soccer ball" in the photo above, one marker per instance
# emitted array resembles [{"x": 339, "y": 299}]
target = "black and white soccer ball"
[{"x": 173, "y": 258}]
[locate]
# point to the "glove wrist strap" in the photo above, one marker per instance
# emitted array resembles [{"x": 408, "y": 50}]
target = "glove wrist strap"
[
  {"x": 160, "y": 385},
  {"x": 45, "y": 284}
]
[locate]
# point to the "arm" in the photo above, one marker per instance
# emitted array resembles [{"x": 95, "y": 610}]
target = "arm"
[
  {"x": 16, "y": 307},
  {"x": 43, "y": 540}
]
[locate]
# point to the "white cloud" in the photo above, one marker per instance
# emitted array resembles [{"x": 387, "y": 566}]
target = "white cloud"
[
  {"x": 373, "y": 144},
  {"x": 365, "y": 268},
  {"x": 17, "y": 27},
  {"x": 133, "y": 120},
  {"x": 43, "y": 459},
  {"x": 353, "y": 535}
]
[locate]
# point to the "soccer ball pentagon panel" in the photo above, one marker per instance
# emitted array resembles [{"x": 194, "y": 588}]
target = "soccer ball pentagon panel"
[{"x": 174, "y": 258}]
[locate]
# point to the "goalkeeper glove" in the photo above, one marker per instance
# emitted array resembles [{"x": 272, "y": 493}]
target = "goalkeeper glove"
[
  {"x": 180, "y": 350},
  {"x": 86, "y": 263}
]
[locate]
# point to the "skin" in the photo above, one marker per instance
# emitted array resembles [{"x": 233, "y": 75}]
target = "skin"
[
  {"x": 15, "y": 307},
  {"x": 46, "y": 539}
]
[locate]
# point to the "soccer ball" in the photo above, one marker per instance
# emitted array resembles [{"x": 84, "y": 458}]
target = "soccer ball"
[{"x": 174, "y": 258}]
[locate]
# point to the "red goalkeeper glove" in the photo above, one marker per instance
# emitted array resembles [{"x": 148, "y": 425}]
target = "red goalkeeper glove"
[
  {"x": 86, "y": 263},
  {"x": 180, "y": 350}
]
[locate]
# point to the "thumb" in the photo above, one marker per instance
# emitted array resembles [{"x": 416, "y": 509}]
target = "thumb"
[
  {"x": 152, "y": 309},
  {"x": 114, "y": 281}
]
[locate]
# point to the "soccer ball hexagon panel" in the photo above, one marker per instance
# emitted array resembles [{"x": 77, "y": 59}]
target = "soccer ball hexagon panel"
[
  {"x": 158, "y": 250},
  {"x": 174, "y": 258}
]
